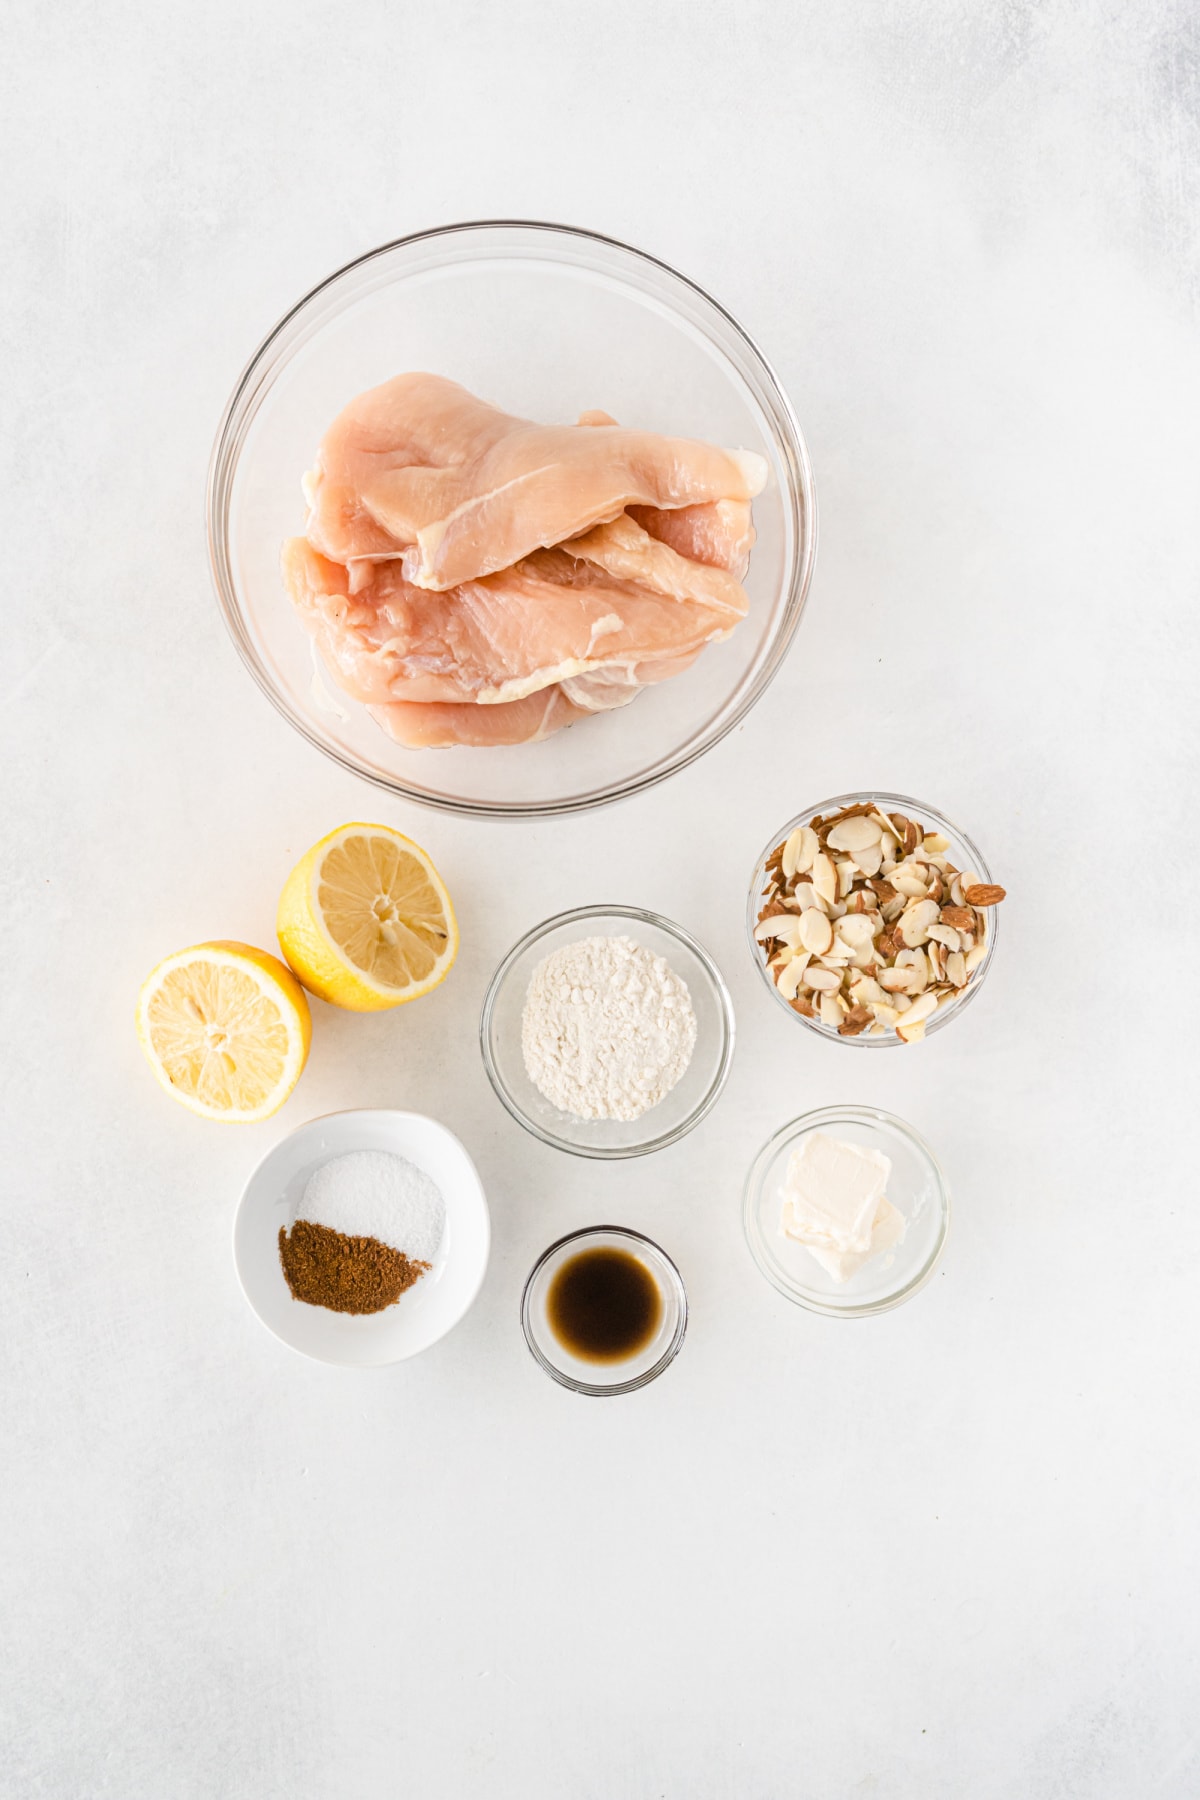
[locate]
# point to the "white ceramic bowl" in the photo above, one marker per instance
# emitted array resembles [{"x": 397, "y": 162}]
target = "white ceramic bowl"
[{"x": 422, "y": 1315}]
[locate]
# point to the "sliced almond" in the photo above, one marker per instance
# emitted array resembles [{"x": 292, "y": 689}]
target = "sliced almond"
[
  {"x": 961, "y": 917},
  {"x": 956, "y": 968},
  {"x": 906, "y": 881},
  {"x": 846, "y": 873},
  {"x": 914, "y": 926},
  {"x": 855, "y": 930},
  {"x": 935, "y": 843},
  {"x": 895, "y": 981},
  {"x": 910, "y": 1034},
  {"x": 824, "y": 877},
  {"x": 778, "y": 925},
  {"x": 801, "y": 1005},
  {"x": 945, "y": 934},
  {"x": 831, "y": 1009},
  {"x": 866, "y": 992},
  {"x": 855, "y": 832},
  {"x": 804, "y": 844},
  {"x": 856, "y": 1020},
  {"x": 975, "y": 957},
  {"x": 815, "y": 931},
  {"x": 789, "y": 980},
  {"x": 870, "y": 860},
  {"x": 822, "y": 981},
  {"x": 923, "y": 1007},
  {"x": 791, "y": 851}
]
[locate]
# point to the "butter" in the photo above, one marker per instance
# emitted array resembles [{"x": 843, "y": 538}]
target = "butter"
[
  {"x": 834, "y": 1204},
  {"x": 835, "y": 1188}
]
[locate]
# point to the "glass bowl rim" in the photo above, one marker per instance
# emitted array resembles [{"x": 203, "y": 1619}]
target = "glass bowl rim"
[
  {"x": 800, "y": 499},
  {"x": 898, "y": 803},
  {"x": 671, "y": 1351},
  {"x": 811, "y": 1121},
  {"x": 621, "y": 1152}
]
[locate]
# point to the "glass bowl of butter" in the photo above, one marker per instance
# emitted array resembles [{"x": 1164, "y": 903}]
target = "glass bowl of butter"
[{"x": 846, "y": 1211}]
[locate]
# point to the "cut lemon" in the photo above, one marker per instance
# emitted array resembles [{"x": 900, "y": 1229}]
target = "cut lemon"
[
  {"x": 365, "y": 920},
  {"x": 226, "y": 1030}
]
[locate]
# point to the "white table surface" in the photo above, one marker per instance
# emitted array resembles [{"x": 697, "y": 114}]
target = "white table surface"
[{"x": 949, "y": 1552}]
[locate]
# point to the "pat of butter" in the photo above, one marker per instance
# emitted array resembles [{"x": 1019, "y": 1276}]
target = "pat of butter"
[
  {"x": 832, "y": 1193},
  {"x": 889, "y": 1228}
]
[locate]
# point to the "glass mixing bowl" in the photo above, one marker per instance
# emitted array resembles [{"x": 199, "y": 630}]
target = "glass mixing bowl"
[{"x": 547, "y": 322}]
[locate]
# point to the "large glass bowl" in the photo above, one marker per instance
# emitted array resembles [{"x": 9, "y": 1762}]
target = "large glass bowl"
[
  {"x": 547, "y": 322},
  {"x": 962, "y": 853}
]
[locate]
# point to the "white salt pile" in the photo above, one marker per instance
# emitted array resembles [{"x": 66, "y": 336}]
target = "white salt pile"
[{"x": 371, "y": 1193}]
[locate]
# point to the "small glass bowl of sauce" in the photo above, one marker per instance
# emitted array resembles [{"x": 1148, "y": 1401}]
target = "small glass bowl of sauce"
[{"x": 604, "y": 1310}]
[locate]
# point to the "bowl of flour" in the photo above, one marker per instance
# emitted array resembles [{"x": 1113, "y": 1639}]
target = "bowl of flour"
[{"x": 607, "y": 1031}]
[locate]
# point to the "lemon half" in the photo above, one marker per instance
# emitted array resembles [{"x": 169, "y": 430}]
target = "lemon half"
[
  {"x": 365, "y": 920},
  {"x": 226, "y": 1030}
]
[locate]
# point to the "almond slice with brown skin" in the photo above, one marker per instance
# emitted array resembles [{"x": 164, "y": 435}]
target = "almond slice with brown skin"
[
  {"x": 856, "y": 1020},
  {"x": 961, "y": 917}
]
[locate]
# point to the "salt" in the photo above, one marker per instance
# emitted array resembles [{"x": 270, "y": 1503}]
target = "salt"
[{"x": 371, "y": 1193}]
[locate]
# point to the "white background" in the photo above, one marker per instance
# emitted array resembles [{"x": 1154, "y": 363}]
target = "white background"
[{"x": 949, "y": 1552}]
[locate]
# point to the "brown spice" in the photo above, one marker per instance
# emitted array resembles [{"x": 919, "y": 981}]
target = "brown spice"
[{"x": 345, "y": 1274}]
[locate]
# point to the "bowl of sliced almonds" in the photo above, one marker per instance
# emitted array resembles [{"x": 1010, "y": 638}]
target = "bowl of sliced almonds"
[{"x": 872, "y": 919}]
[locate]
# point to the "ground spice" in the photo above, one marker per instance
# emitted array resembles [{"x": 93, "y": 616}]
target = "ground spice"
[{"x": 345, "y": 1274}]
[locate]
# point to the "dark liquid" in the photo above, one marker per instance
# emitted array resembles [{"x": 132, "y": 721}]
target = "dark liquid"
[{"x": 604, "y": 1305}]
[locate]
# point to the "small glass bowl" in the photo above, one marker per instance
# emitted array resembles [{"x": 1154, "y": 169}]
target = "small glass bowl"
[
  {"x": 962, "y": 854},
  {"x": 917, "y": 1188},
  {"x": 694, "y": 1095},
  {"x": 599, "y": 1378}
]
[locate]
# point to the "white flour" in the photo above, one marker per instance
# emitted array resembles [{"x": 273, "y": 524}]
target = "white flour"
[
  {"x": 608, "y": 1028},
  {"x": 372, "y": 1193}
]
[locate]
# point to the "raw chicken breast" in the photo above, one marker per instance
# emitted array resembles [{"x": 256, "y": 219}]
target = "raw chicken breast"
[
  {"x": 432, "y": 727},
  {"x": 420, "y": 467},
  {"x": 553, "y": 618},
  {"x": 625, "y": 550},
  {"x": 527, "y": 721},
  {"x": 719, "y": 534}
]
